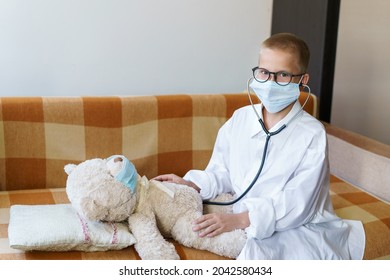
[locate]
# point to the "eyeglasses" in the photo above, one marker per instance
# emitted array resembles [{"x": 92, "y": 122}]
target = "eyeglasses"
[{"x": 282, "y": 78}]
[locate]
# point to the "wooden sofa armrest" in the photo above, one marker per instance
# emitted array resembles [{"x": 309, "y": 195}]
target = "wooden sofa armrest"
[{"x": 360, "y": 161}]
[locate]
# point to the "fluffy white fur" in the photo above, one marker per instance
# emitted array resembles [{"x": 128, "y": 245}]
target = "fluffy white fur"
[{"x": 152, "y": 212}]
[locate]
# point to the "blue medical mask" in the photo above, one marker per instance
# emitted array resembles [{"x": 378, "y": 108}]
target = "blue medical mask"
[
  {"x": 275, "y": 97},
  {"x": 128, "y": 174}
]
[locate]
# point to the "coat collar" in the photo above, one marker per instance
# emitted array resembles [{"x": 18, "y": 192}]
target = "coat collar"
[{"x": 256, "y": 127}]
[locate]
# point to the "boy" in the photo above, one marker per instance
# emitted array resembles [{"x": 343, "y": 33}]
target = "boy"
[{"x": 288, "y": 213}]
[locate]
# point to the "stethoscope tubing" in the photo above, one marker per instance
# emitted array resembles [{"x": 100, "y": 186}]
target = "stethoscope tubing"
[{"x": 269, "y": 134}]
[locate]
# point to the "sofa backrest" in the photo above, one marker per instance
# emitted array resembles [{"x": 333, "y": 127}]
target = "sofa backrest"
[{"x": 160, "y": 134}]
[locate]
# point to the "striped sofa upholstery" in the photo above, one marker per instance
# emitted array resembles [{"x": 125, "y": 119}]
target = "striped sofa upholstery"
[
  {"x": 38, "y": 136},
  {"x": 160, "y": 134}
]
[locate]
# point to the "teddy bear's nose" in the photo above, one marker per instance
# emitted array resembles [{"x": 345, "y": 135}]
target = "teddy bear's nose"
[{"x": 118, "y": 159}]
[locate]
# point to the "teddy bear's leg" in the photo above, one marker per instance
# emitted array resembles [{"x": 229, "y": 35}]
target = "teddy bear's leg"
[
  {"x": 228, "y": 244},
  {"x": 150, "y": 244}
]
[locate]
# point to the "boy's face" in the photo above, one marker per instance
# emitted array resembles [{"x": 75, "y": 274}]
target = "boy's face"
[{"x": 275, "y": 60}]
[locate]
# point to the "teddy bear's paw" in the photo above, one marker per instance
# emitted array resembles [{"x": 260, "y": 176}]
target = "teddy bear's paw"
[
  {"x": 232, "y": 249},
  {"x": 228, "y": 244},
  {"x": 91, "y": 210},
  {"x": 162, "y": 251}
]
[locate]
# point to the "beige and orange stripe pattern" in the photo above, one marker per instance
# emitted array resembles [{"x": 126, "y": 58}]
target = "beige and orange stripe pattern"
[
  {"x": 160, "y": 134},
  {"x": 38, "y": 136}
]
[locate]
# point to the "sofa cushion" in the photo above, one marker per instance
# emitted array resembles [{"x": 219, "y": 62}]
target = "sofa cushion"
[
  {"x": 349, "y": 203},
  {"x": 353, "y": 203}
]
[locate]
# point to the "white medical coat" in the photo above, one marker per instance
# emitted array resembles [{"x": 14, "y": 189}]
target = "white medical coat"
[{"x": 290, "y": 210}]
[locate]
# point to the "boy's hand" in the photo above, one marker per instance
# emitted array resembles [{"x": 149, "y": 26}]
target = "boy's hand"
[
  {"x": 211, "y": 225},
  {"x": 172, "y": 178}
]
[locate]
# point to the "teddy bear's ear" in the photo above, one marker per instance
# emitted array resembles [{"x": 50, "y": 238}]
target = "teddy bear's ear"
[{"x": 69, "y": 168}]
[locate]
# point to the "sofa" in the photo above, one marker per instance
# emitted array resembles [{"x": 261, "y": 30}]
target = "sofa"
[{"x": 161, "y": 134}]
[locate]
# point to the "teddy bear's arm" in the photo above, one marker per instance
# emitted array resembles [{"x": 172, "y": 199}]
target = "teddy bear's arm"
[{"x": 150, "y": 244}]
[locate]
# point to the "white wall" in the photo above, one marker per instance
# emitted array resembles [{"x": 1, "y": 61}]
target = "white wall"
[
  {"x": 129, "y": 47},
  {"x": 361, "y": 97}
]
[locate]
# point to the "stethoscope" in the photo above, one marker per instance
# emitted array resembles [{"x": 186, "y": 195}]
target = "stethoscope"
[{"x": 269, "y": 135}]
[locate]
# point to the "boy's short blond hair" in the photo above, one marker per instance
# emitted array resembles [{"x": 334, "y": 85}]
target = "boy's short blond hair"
[{"x": 292, "y": 43}]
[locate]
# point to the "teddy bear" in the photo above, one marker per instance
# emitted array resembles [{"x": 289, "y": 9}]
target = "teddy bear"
[{"x": 111, "y": 190}]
